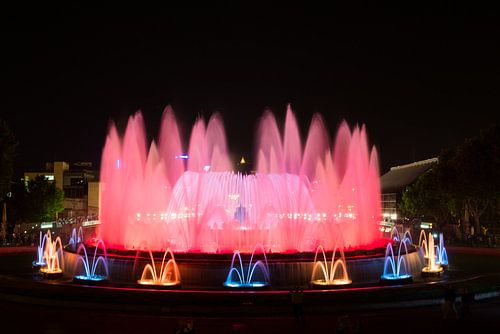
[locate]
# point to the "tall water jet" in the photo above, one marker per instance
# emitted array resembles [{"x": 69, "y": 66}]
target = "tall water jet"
[
  {"x": 442, "y": 255},
  {"x": 39, "y": 262},
  {"x": 432, "y": 268},
  {"x": 189, "y": 198},
  {"x": 422, "y": 242}
]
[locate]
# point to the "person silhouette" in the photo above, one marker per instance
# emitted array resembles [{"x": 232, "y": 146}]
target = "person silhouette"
[{"x": 297, "y": 298}]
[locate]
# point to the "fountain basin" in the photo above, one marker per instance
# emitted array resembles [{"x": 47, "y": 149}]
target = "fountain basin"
[
  {"x": 199, "y": 271},
  {"x": 51, "y": 274},
  {"x": 432, "y": 272}
]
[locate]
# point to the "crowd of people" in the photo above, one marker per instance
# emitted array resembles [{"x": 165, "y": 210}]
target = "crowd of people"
[{"x": 30, "y": 237}]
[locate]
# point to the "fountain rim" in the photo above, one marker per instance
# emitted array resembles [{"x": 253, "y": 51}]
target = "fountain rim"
[{"x": 196, "y": 257}]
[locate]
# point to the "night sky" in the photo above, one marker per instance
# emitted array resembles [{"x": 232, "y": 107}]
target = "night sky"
[{"x": 420, "y": 79}]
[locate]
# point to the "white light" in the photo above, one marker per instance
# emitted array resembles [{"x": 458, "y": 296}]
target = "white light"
[
  {"x": 206, "y": 168},
  {"x": 234, "y": 197}
]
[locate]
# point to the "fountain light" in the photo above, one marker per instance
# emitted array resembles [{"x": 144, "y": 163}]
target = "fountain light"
[
  {"x": 442, "y": 255},
  {"x": 330, "y": 278},
  {"x": 432, "y": 268},
  {"x": 39, "y": 262},
  {"x": 91, "y": 274},
  {"x": 195, "y": 183},
  {"x": 52, "y": 257},
  {"x": 76, "y": 237},
  {"x": 396, "y": 268},
  {"x": 168, "y": 276},
  {"x": 239, "y": 278}
]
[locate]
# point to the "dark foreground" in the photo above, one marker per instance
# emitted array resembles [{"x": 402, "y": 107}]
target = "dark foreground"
[
  {"x": 17, "y": 318},
  {"x": 28, "y": 311}
]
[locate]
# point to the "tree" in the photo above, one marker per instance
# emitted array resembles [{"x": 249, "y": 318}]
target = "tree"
[
  {"x": 7, "y": 151},
  {"x": 475, "y": 177},
  {"x": 465, "y": 183},
  {"x": 8, "y": 146},
  {"x": 426, "y": 197},
  {"x": 38, "y": 201}
]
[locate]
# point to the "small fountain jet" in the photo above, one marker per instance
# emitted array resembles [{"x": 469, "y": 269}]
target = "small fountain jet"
[
  {"x": 167, "y": 276},
  {"x": 330, "y": 278},
  {"x": 246, "y": 279},
  {"x": 91, "y": 268}
]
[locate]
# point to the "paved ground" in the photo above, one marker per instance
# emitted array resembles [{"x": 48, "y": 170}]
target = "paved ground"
[{"x": 31, "y": 319}]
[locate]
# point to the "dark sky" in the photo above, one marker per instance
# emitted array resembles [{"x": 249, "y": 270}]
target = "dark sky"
[{"x": 421, "y": 79}]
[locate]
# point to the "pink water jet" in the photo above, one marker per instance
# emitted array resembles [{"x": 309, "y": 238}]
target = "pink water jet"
[{"x": 296, "y": 199}]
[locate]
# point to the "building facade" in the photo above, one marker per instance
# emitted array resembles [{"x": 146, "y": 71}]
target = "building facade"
[
  {"x": 73, "y": 179},
  {"x": 395, "y": 181}
]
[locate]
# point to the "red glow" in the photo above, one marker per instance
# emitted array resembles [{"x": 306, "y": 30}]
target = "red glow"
[{"x": 299, "y": 197}]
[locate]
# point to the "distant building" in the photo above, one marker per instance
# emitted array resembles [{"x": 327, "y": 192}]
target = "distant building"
[
  {"x": 394, "y": 182},
  {"x": 74, "y": 180},
  {"x": 94, "y": 188}
]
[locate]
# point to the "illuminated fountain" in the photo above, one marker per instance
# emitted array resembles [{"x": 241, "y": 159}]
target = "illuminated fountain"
[
  {"x": 396, "y": 238},
  {"x": 396, "y": 269},
  {"x": 329, "y": 276},
  {"x": 52, "y": 257},
  {"x": 39, "y": 262},
  {"x": 76, "y": 237},
  {"x": 189, "y": 198},
  {"x": 432, "y": 268},
  {"x": 91, "y": 268},
  {"x": 422, "y": 242},
  {"x": 239, "y": 278},
  {"x": 167, "y": 276},
  {"x": 395, "y": 234},
  {"x": 442, "y": 255}
]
